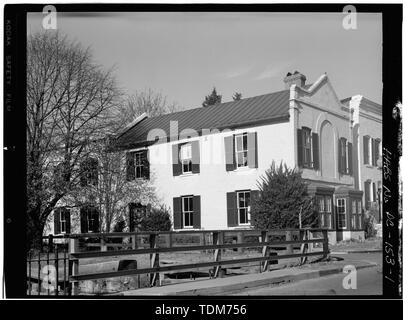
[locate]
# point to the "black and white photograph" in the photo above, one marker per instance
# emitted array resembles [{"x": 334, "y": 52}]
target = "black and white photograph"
[{"x": 207, "y": 153}]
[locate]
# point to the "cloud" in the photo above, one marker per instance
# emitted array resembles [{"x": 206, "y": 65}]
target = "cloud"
[
  {"x": 234, "y": 73},
  {"x": 273, "y": 71}
]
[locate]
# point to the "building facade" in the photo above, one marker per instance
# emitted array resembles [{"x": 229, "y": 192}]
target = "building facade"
[{"x": 205, "y": 162}]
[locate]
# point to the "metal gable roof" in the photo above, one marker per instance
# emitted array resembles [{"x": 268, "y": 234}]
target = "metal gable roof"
[{"x": 225, "y": 115}]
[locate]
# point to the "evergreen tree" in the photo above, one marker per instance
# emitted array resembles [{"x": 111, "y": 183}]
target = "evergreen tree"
[
  {"x": 212, "y": 99},
  {"x": 237, "y": 96},
  {"x": 283, "y": 195}
]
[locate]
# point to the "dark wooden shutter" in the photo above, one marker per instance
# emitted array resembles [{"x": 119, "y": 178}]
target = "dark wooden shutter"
[
  {"x": 130, "y": 166},
  {"x": 373, "y": 152},
  {"x": 131, "y": 217},
  {"x": 56, "y": 220},
  {"x": 366, "y": 151},
  {"x": 350, "y": 158},
  {"x": 96, "y": 219},
  {"x": 146, "y": 164},
  {"x": 229, "y": 153},
  {"x": 68, "y": 222},
  {"x": 254, "y": 196},
  {"x": 84, "y": 220},
  {"x": 367, "y": 190},
  {"x": 340, "y": 157},
  {"x": 177, "y": 213},
  {"x": 377, "y": 143},
  {"x": 196, "y": 212},
  {"x": 300, "y": 148},
  {"x": 176, "y": 164},
  {"x": 232, "y": 209},
  {"x": 315, "y": 146},
  {"x": 374, "y": 191},
  {"x": 195, "y": 157},
  {"x": 252, "y": 149}
]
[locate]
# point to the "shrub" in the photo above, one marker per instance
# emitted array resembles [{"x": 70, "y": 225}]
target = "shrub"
[
  {"x": 369, "y": 225},
  {"x": 157, "y": 219},
  {"x": 283, "y": 194}
]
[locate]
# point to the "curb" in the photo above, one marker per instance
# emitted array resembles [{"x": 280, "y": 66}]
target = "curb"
[
  {"x": 357, "y": 251},
  {"x": 234, "y": 287}
]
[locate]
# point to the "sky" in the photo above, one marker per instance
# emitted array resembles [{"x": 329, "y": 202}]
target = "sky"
[{"x": 184, "y": 55}]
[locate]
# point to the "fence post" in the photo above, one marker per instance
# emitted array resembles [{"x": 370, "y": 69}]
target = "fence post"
[
  {"x": 240, "y": 239},
  {"x": 50, "y": 243},
  {"x": 218, "y": 239},
  {"x": 103, "y": 245},
  {"x": 303, "y": 235},
  {"x": 265, "y": 251},
  {"x": 134, "y": 241},
  {"x": 154, "y": 260},
  {"x": 74, "y": 265},
  {"x": 325, "y": 244},
  {"x": 288, "y": 237},
  {"x": 170, "y": 240}
]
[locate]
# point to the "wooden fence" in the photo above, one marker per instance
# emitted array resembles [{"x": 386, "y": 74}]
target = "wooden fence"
[{"x": 302, "y": 238}]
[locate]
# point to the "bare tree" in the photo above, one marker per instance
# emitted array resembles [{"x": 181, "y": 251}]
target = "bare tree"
[
  {"x": 148, "y": 101},
  {"x": 111, "y": 191},
  {"x": 69, "y": 103}
]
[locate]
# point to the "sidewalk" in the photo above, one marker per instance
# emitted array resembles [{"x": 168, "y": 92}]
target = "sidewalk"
[{"x": 234, "y": 283}]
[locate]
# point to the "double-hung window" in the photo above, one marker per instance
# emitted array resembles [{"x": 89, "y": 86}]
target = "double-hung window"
[
  {"x": 241, "y": 150},
  {"x": 341, "y": 213},
  {"x": 186, "y": 157},
  {"x": 354, "y": 214},
  {"x": 137, "y": 165},
  {"x": 187, "y": 212},
  {"x": 325, "y": 211},
  {"x": 63, "y": 221},
  {"x": 243, "y": 202},
  {"x": 306, "y": 147},
  {"x": 359, "y": 213}
]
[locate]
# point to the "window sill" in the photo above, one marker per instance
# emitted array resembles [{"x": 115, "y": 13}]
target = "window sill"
[
  {"x": 188, "y": 174},
  {"x": 243, "y": 169}
]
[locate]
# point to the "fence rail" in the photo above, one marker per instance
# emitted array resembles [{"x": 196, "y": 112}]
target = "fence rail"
[
  {"x": 64, "y": 258},
  {"x": 305, "y": 241}
]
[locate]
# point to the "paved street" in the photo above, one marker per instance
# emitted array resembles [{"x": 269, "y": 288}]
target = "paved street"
[{"x": 369, "y": 281}]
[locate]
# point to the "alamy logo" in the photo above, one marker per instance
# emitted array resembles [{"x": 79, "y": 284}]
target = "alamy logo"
[
  {"x": 350, "y": 20},
  {"x": 50, "y": 20},
  {"x": 350, "y": 280}
]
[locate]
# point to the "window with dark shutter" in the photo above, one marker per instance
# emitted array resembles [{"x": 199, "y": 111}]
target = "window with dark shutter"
[
  {"x": 136, "y": 213},
  {"x": 305, "y": 148},
  {"x": 56, "y": 220},
  {"x": 350, "y": 158},
  {"x": 89, "y": 219},
  {"x": 315, "y": 146},
  {"x": 343, "y": 155},
  {"x": 176, "y": 164},
  {"x": 177, "y": 212},
  {"x": 68, "y": 222},
  {"x": 376, "y": 151},
  {"x": 367, "y": 190},
  {"x": 195, "y": 157},
  {"x": 300, "y": 148},
  {"x": 137, "y": 165},
  {"x": 130, "y": 172},
  {"x": 366, "y": 149},
  {"x": 89, "y": 172},
  {"x": 196, "y": 212},
  {"x": 232, "y": 209},
  {"x": 83, "y": 219},
  {"x": 229, "y": 153},
  {"x": 373, "y": 155},
  {"x": 252, "y": 150}
]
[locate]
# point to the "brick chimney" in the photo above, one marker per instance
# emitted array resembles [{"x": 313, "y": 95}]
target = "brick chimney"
[{"x": 294, "y": 78}]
